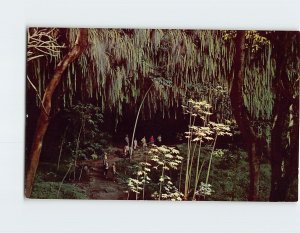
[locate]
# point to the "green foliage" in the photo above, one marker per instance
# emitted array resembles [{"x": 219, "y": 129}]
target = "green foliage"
[
  {"x": 118, "y": 64},
  {"x": 153, "y": 179},
  {"x": 233, "y": 168},
  {"x": 48, "y": 190},
  {"x": 47, "y": 171},
  {"x": 47, "y": 182},
  {"x": 84, "y": 135},
  {"x": 229, "y": 177}
]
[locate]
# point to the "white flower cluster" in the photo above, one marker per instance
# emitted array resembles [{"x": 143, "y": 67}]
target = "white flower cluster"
[
  {"x": 210, "y": 129},
  {"x": 167, "y": 157},
  {"x": 197, "y": 108},
  {"x": 136, "y": 185},
  {"x": 198, "y": 133},
  {"x": 170, "y": 192},
  {"x": 204, "y": 190},
  {"x": 220, "y": 129}
]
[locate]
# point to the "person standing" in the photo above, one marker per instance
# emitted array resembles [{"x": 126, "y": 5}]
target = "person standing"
[
  {"x": 159, "y": 140},
  {"x": 126, "y": 151},
  {"x": 106, "y": 167},
  {"x": 144, "y": 143},
  {"x": 114, "y": 170},
  {"x": 135, "y": 144},
  {"x": 151, "y": 140},
  {"x": 127, "y": 139},
  {"x": 104, "y": 158}
]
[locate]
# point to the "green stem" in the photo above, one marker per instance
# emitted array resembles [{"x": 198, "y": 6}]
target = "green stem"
[
  {"x": 60, "y": 150},
  {"x": 192, "y": 161},
  {"x": 162, "y": 175},
  {"x": 77, "y": 147},
  {"x": 144, "y": 180},
  {"x": 211, "y": 154},
  {"x": 188, "y": 159},
  {"x": 197, "y": 169},
  {"x": 181, "y": 166},
  {"x": 198, "y": 172},
  {"x": 137, "y": 187},
  {"x": 63, "y": 180}
]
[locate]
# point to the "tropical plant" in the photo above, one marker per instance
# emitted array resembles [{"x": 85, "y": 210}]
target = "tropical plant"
[
  {"x": 84, "y": 136},
  {"x": 165, "y": 158},
  {"x": 141, "y": 178},
  {"x": 197, "y": 135}
]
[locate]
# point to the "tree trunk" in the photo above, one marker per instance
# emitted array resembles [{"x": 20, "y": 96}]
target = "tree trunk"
[
  {"x": 254, "y": 169},
  {"x": 278, "y": 189},
  {"x": 284, "y": 156},
  {"x": 43, "y": 120},
  {"x": 242, "y": 116}
]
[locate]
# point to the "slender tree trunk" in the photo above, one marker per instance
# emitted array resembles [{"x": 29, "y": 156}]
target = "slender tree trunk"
[
  {"x": 77, "y": 147},
  {"x": 61, "y": 147},
  {"x": 180, "y": 175},
  {"x": 136, "y": 120},
  {"x": 242, "y": 116},
  {"x": 70, "y": 165},
  {"x": 43, "y": 120},
  {"x": 186, "y": 183}
]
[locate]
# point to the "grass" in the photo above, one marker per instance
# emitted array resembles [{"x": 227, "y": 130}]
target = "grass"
[
  {"x": 48, "y": 190},
  {"x": 47, "y": 183}
]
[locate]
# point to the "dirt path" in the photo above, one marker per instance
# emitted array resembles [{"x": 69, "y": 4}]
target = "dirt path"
[{"x": 97, "y": 186}]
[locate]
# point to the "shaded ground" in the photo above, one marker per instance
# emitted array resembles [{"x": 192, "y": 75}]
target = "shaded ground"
[
  {"x": 97, "y": 186},
  {"x": 232, "y": 168}
]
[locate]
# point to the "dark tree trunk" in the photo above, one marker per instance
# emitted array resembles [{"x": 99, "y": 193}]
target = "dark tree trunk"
[
  {"x": 254, "y": 164},
  {"x": 241, "y": 115},
  {"x": 284, "y": 156},
  {"x": 278, "y": 180},
  {"x": 43, "y": 120}
]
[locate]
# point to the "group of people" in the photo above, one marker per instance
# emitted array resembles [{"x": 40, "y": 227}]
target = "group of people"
[
  {"x": 127, "y": 152},
  {"x": 106, "y": 167},
  {"x": 127, "y": 148},
  {"x": 152, "y": 141}
]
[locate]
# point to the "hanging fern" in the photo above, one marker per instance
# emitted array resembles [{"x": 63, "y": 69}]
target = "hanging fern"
[{"x": 119, "y": 65}]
